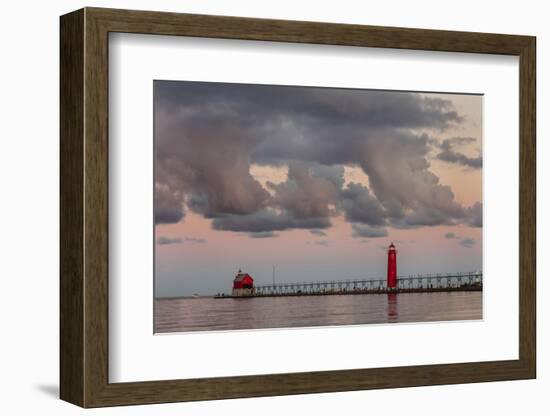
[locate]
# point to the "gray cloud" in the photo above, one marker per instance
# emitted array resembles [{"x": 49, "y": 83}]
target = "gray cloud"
[
  {"x": 359, "y": 205},
  {"x": 447, "y": 153},
  {"x": 209, "y": 163},
  {"x": 162, "y": 240},
  {"x": 474, "y": 215},
  {"x": 208, "y": 135},
  {"x": 319, "y": 233},
  {"x": 267, "y": 220},
  {"x": 263, "y": 234},
  {"x": 460, "y": 158},
  {"x": 463, "y": 241},
  {"x": 378, "y": 109},
  {"x": 309, "y": 190},
  {"x": 168, "y": 205},
  {"x": 362, "y": 231},
  {"x": 467, "y": 242},
  {"x": 400, "y": 178},
  {"x": 195, "y": 240}
]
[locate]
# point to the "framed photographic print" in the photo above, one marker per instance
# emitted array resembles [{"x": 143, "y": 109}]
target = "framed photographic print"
[{"x": 255, "y": 207}]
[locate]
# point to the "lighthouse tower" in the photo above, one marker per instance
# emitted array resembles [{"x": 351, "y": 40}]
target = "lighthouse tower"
[{"x": 392, "y": 267}]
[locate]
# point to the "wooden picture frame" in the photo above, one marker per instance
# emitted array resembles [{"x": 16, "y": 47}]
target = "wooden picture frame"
[{"x": 84, "y": 207}]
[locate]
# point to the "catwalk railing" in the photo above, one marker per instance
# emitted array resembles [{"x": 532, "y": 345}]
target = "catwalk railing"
[{"x": 412, "y": 283}]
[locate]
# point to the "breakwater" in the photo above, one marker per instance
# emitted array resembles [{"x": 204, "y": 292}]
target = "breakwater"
[{"x": 427, "y": 283}]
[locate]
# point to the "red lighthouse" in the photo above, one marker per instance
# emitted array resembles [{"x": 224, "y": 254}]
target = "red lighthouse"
[{"x": 392, "y": 267}]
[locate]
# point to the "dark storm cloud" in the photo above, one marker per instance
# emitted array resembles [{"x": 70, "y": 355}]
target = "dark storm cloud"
[
  {"x": 378, "y": 109},
  {"x": 362, "y": 231},
  {"x": 447, "y": 153},
  {"x": 207, "y": 136}
]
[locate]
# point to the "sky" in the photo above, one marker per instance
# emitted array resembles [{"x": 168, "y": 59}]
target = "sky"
[{"x": 315, "y": 182}]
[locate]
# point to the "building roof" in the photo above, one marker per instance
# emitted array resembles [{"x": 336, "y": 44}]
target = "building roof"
[{"x": 241, "y": 276}]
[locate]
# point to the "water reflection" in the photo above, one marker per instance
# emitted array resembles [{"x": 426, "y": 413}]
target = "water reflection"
[
  {"x": 208, "y": 314},
  {"x": 392, "y": 307}
]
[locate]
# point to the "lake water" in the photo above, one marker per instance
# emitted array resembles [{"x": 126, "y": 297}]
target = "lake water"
[{"x": 208, "y": 314}]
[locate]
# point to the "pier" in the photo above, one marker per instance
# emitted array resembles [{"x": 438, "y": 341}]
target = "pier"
[
  {"x": 244, "y": 287},
  {"x": 421, "y": 283}
]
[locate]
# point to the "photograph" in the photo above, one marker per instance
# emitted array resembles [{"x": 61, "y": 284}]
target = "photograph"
[
  {"x": 258, "y": 205},
  {"x": 284, "y": 206}
]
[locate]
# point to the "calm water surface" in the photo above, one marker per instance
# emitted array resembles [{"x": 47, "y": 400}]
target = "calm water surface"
[{"x": 208, "y": 314}]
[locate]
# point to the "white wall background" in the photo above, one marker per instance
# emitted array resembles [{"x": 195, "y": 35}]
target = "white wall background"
[{"x": 29, "y": 85}]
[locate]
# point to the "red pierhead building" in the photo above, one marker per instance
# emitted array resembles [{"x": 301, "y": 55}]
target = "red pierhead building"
[
  {"x": 243, "y": 284},
  {"x": 392, "y": 267}
]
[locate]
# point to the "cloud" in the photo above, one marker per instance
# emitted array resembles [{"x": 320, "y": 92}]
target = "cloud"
[
  {"x": 265, "y": 221},
  {"x": 162, "y": 240},
  {"x": 447, "y": 153},
  {"x": 426, "y": 216},
  {"x": 399, "y": 176},
  {"x": 208, "y": 135},
  {"x": 346, "y": 106},
  {"x": 195, "y": 240},
  {"x": 309, "y": 190},
  {"x": 359, "y": 205},
  {"x": 363, "y": 231},
  {"x": 460, "y": 158},
  {"x": 168, "y": 206},
  {"x": 463, "y": 241},
  {"x": 319, "y": 233},
  {"x": 323, "y": 243},
  {"x": 404, "y": 241},
  {"x": 467, "y": 242},
  {"x": 474, "y": 215},
  {"x": 263, "y": 234},
  {"x": 209, "y": 163}
]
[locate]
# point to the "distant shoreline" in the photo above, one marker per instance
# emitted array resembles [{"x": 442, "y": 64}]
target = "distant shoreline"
[{"x": 305, "y": 294}]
